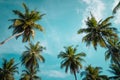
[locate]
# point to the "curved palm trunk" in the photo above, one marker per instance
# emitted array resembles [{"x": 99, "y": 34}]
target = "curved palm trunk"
[
  {"x": 75, "y": 75},
  {"x": 110, "y": 50},
  {"x": 104, "y": 40},
  {"x": 9, "y": 38}
]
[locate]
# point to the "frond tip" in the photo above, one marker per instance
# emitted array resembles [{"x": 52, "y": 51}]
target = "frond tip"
[{"x": 116, "y": 8}]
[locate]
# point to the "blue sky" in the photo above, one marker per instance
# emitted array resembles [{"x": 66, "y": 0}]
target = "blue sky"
[{"x": 62, "y": 21}]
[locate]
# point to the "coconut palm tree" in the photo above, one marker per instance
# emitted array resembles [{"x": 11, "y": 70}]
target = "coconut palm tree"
[
  {"x": 113, "y": 51},
  {"x": 8, "y": 69},
  {"x": 98, "y": 32},
  {"x": 31, "y": 57},
  {"x": 29, "y": 75},
  {"x": 93, "y": 73},
  {"x": 71, "y": 60},
  {"x": 25, "y": 24},
  {"x": 116, "y": 8},
  {"x": 115, "y": 70}
]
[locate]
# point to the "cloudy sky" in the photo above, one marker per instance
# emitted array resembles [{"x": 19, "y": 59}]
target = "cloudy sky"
[{"x": 62, "y": 21}]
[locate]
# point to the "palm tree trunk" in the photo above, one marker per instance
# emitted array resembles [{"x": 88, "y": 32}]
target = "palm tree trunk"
[
  {"x": 9, "y": 38},
  {"x": 106, "y": 43},
  {"x": 75, "y": 75}
]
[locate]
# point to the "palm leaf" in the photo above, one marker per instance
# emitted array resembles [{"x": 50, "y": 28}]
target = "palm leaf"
[
  {"x": 20, "y": 14},
  {"x": 38, "y": 26},
  {"x": 116, "y": 8},
  {"x": 106, "y": 20},
  {"x": 26, "y": 9}
]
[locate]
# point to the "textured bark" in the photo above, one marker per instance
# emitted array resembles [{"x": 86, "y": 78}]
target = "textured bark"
[
  {"x": 9, "y": 38},
  {"x": 75, "y": 75}
]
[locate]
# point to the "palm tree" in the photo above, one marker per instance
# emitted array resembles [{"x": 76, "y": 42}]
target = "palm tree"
[
  {"x": 71, "y": 60},
  {"x": 8, "y": 69},
  {"x": 113, "y": 51},
  {"x": 93, "y": 73},
  {"x": 98, "y": 32},
  {"x": 29, "y": 75},
  {"x": 115, "y": 69},
  {"x": 32, "y": 55},
  {"x": 25, "y": 24},
  {"x": 116, "y": 8}
]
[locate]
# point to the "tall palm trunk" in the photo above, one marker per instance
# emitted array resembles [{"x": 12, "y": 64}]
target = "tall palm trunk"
[
  {"x": 9, "y": 38},
  {"x": 104, "y": 40},
  {"x": 106, "y": 43},
  {"x": 75, "y": 75}
]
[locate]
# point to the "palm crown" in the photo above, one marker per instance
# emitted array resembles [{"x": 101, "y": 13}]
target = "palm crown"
[
  {"x": 98, "y": 32},
  {"x": 113, "y": 51},
  {"x": 115, "y": 70},
  {"x": 8, "y": 70},
  {"x": 32, "y": 56},
  {"x": 29, "y": 75},
  {"x": 93, "y": 73},
  {"x": 71, "y": 60},
  {"x": 25, "y": 23}
]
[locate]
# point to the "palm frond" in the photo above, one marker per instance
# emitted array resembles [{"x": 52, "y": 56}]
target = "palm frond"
[
  {"x": 39, "y": 27},
  {"x": 41, "y": 58},
  {"x": 20, "y": 14},
  {"x": 107, "y": 20},
  {"x": 71, "y": 60},
  {"x": 32, "y": 55},
  {"x": 84, "y": 30},
  {"x": 26, "y": 9},
  {"x": 116, "y": 8}
]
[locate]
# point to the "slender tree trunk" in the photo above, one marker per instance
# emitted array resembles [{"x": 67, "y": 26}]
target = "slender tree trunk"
[
  {"x": 75, "y": 75},
  {"x": 32, "y": 72},
  {"x": 104, "y": 41},
  {"x": 9, "y": 38}
]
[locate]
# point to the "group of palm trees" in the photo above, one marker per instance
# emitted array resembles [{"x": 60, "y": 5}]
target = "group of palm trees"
[
  {"x": 24, "y": 26},
  {"x": 97, "y": 33}
]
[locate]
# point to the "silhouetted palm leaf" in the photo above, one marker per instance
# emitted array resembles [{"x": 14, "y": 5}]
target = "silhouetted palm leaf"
[
  {"x": 116, "y": 8},
  {"x": 115, "y": 70},
  {"x": 113, "y": 51}
]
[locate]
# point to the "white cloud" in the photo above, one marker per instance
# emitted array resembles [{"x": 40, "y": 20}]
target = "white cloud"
[
  {"x": 115, "y": 3},
  {"x": 48, "y": 50},
  {"x": 117, "y": 19},
  {"x": 9, "y": 47},
  {"x": 76, "y": 38},
  {"x": 87, "y": 1},
  {"x": 51, "y": 38},
  {"x": 96, "y": 7},
  {"x": 55, "y": 74},
  {"x": 78, "y": 10}
]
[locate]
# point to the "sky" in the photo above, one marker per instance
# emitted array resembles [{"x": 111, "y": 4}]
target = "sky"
[{"x": 62, "y": 21}]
